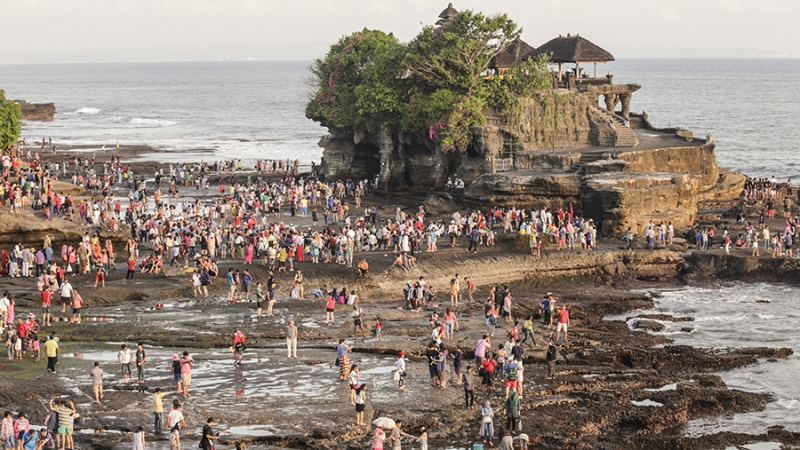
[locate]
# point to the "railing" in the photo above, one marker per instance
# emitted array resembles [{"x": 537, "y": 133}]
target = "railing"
[{"x": 503, "y": 164}]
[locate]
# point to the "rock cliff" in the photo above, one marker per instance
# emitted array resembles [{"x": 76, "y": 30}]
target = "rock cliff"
[{"x": 37, "y": 111}]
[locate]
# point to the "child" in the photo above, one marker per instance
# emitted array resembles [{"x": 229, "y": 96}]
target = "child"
[
  {"x": 18, "y": 348},
  {"x": 7, "y": 430},
  {"x": 423, "y": 439},
  {"x": 36, "y": 346},
  {"x": 378, "y": 329}
]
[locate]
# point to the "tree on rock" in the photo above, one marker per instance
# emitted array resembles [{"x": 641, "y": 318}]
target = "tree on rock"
[
  {"x": 10, "y": 122},
  {"x": 437, "y": 86}
]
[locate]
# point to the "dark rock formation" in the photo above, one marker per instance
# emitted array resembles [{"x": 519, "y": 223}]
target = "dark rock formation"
[{"x": 37, "y": 111}]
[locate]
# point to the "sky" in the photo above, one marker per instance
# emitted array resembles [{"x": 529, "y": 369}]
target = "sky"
[{"x": 42, "y": 31}]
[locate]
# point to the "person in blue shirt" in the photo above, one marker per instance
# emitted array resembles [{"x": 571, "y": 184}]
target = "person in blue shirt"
[{"x": 29, "y": 440}]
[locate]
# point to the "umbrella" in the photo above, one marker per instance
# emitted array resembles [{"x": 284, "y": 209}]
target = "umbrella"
[{"x": 384, "y": 422}]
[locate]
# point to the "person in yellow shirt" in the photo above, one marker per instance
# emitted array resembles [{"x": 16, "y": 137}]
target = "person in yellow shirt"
[{"x": 52, "y": 351}]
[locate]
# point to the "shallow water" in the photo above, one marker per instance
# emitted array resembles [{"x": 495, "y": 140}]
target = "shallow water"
[{"x": 730, "y": 317}]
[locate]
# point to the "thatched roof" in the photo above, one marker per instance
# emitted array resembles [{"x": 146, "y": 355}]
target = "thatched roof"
[
  {"x": 447, "y": 14},
  {"x": 511, "y": 55},
  {"x": 572, "y": 49}
]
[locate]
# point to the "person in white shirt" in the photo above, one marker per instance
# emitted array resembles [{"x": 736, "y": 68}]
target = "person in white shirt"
[
  {"x": 176, "y": 417},
  {"x": 66, "y": 295},
  {"x": 401, "y": 370},
  {"x": 124, "y": 357}
]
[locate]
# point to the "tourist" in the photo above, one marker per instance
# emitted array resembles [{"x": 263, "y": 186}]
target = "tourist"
[
  {"x": 563, "y": 322},
  {"x": 291, "y": 340},
  {"x": 124, "y": 357},
  {"x": 506, "y": 441},
  {"x": 28, "y": 440},
  {"x": 550, "y": 357},
  {"x": 138, "y": 439},
  {"x": 379, "y": 436},
  {"x": 21, "y": 426},
  {"x": 397, "y": 434},
  {"x": 186, "y": 372},
  {"x": 47, "y": 296},
  {"x": 358, "y": 321},
  {"x": 206, "y": 441},
  {"x": 158, "y": 410},
  {"x": 343, "y": 359},
  {"x": 352, "y": 379},
  {"x": 423, "y": 439},
  {"x": 45, "y": 440},
  {"x": 360, "y": 403},
  {"x": 7, "y": 430},
  {"x": 100, "y": 277},
  {"x": 52, "y": 351},
  {"x": 469, "y": 388},
  {"x": 65, "y": 411},
  {"x": 378, "y": 329},
  {"x": 400, "y": 370},
  {"x": 486, "y": 372},
  {"x": 131, "y": 264},
  {"x": 260, "y": 297},
  {"x": 140, "y": 358},
  {"x": 363, "y": 268},
  {"x": 480, "y": 350},
  {"x": 511, "y": 372},
  {"x": 239, "y": 346},
  {"x": 487, "y": 424},
  {"x": 458, "y": 359},
  {"x": 175, "y": 437},
  {"x": 175, "y": 416},
  {"x": 175, "y": 370},
  {"x": 330, "y": 307},
  {"x": 97, "y": 376},
  {"x": 66, "y": 295},
  {"x": 298, "y": 281}
]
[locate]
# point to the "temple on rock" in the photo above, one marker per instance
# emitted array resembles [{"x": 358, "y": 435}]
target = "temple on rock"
[{"x": 576, "y": 143}]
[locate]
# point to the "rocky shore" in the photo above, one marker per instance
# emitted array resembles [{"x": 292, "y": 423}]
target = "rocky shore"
[{"x": 617, "y": 385}]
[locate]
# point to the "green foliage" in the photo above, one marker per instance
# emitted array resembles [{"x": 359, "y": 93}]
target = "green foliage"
[
  {"x": 10, "y": 122},
  {"x": 436, "y": 84},
  {"x": 358, "y": 81}
]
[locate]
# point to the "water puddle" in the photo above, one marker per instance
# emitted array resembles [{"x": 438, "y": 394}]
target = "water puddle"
[
  {"x": 668, "y": 387},
  {"x": 646, "y": 402}
]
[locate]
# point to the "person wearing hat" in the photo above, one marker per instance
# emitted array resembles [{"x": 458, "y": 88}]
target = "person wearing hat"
[{"x": 523, "y": 441}]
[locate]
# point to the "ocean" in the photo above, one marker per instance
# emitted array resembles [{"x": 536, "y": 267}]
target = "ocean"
[{"x": 253, "y": 110}]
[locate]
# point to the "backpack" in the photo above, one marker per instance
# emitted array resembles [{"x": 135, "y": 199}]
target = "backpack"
[
  {"x": 512, "y": 373},
  {"x": 205, "y": 279}
]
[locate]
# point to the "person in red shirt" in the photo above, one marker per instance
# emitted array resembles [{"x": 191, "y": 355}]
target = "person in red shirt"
[
  {"x": 131, "y": 268},
  {"x": 238, "y": 346},
  {"x": 22, "y": 332},
  {"x": 563, "y": 322},
  {"x": 47, "y": 296},
  {"x": 330, "y": 306}
]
